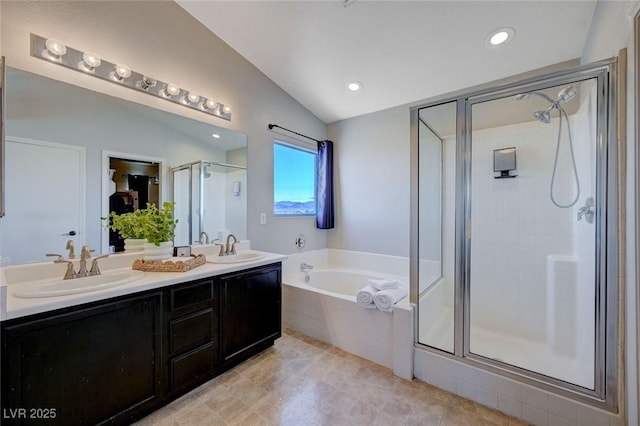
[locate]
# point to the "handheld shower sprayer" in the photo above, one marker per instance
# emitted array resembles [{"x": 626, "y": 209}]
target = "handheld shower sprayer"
[{"x": 565, "y": 95}]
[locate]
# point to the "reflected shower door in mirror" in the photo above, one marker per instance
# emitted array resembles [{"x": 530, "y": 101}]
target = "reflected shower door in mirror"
[
  {"x": 212, "y": 200},
  {"x": 532, "y": 254},
  {"x": 436, "y": 224},
  {"x": 59, "y": 114}
]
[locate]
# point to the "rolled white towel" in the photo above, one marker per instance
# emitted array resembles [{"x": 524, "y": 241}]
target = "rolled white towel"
[
  {"x": 364, "y": 297},
  {"x": 385, "y": 299},
  {"x": 383, "y": 283}
]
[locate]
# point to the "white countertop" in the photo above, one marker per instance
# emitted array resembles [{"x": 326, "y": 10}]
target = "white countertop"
[{"x": 18, "y": 307}]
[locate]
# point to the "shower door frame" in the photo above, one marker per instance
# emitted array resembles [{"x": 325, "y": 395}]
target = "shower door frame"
[{"x": 605, "y": 394}]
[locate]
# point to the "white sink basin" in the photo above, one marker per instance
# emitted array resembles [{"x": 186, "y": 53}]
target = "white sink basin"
[
  {"x": 236, "y": 258},
  {"x": 77, "y": 285}
]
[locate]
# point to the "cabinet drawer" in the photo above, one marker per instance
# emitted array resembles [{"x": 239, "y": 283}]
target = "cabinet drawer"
[
  {"x": 192, "y": 367},
  {"x": 190, "y": 331},
  {"x": 191, "y": 294}
]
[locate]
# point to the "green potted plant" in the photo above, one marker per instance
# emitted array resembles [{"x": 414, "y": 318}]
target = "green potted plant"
[{"x": 150, "y": 229}]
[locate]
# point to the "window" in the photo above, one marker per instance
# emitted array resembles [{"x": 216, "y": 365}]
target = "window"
[{"x": 294, "y": 181}]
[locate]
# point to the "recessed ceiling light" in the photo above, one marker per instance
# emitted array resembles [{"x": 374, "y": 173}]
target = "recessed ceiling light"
[
  {"x": 215, "y": 135},
  {"x": 500, "y": 36},
  {"x": 354, "y": 86}
]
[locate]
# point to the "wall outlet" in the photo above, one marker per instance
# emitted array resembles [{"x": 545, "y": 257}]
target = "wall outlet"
[{"x": 263, "y": 218}]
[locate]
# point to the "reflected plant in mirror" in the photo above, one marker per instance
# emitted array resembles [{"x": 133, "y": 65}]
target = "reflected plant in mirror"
[{"x": 57, "y": 134}]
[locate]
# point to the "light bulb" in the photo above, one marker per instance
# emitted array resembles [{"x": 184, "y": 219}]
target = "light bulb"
[
  {"x": 54, "y": 49},
  {"x": 146, "y": 83},
  {"x": 193, "y": 98},
  {"x": 121, "y": 72},
  {"x": 226, "y": 109},
  {"x": 354, "y": 86},
  {"x": 209, "y": 104},
  {"x": 90, "y": 61},
  {"x": 170, "y": 90}
]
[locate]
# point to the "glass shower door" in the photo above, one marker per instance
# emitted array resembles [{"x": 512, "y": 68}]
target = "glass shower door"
[{"x": 532, "y": 276}]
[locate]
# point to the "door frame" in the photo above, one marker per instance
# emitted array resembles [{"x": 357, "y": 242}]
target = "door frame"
[{"x": 106, "y": 158}]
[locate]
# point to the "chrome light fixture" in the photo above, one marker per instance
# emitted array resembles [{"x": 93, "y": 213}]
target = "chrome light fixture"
[
  {"x": 89, "y": 63},
  {"x": 54, "y": 49},
  {"x": 146, "y": 83}
]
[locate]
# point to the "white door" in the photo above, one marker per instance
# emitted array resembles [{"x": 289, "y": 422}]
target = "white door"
[{"x": 44, "y": 199}]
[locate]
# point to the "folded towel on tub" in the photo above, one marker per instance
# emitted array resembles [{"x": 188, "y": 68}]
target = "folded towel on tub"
[
  {"x": 364, "y": 297},
  {"x": 383, "y": 283},
  {"x": 385, "y": 299}
]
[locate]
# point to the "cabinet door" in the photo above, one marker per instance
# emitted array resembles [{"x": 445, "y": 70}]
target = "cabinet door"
[
  {"x": 83, "y": 366},
  {"x": 250, "y": 310}
]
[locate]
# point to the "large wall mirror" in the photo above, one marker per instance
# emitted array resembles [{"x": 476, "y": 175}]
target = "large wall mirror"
[{"x": 62, "y": 145}]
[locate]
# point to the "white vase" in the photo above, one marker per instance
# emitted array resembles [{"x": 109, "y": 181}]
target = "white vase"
[
  {"x": 154, "y": 252},
  {"x": 134, "y": 244}
]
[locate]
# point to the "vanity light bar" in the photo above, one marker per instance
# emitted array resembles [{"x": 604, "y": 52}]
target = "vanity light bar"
[{"x": 90, "y": 63}]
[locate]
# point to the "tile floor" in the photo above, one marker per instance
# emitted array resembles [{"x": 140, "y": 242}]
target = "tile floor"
[{"x": 301, "y": 381}]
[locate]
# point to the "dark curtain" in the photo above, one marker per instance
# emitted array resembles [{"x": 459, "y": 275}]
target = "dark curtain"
[{"x": 325, "y": 217}]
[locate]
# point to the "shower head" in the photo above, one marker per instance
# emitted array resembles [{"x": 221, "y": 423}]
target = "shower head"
[
  {"x": 543, "y": 116},
  {"x": 566, "y": 94}
]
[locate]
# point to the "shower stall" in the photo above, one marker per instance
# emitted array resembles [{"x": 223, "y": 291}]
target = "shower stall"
[
  {"x": 211, "y": 202},
  {"x": 514, "y": 255}
]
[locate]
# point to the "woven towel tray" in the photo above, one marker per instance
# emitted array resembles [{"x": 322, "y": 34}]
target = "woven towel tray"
[{"x": 169, "y": 266}]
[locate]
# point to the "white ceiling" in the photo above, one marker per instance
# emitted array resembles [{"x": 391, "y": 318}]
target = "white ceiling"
[{"x": 401, "y": 51}]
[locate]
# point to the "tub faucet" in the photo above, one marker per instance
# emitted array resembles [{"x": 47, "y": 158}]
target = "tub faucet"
[
  {"x": 206, "y": 238},
  {"x": 305, "y": 267},
  {"x": 231, "y": 249}
]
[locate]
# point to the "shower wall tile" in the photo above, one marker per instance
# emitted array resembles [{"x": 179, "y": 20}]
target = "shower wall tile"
[
  {"x": 559, "y": 421},
  {"x": 535, "y": 398},
  {"x": 534, "y": 415},
  {"x": 510, "y": 389},
  {"x": 510, "y": 406},
  {"x": 563, "y": 408},
  {"x": 486, "y": 398}
]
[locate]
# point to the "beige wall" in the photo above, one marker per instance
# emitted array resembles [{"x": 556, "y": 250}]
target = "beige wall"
[{"x": 161, "y": 39}]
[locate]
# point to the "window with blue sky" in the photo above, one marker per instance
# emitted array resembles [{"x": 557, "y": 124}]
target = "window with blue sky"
[{"x": 294, "y": 180}]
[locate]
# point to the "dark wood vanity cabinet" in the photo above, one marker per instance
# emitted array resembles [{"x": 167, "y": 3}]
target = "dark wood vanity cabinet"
[
  {"x": 250, "y": 312},
  {"x": 114, "y": 361},
  {"x": 99, "y": 363},
  {"x": 192, "y": 334}
]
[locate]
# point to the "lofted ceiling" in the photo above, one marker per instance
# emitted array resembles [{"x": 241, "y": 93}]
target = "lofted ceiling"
[{"x": 401, "y": 51}]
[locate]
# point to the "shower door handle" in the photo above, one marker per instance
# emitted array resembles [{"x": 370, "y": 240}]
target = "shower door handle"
[{"x": 587, "y": 211}]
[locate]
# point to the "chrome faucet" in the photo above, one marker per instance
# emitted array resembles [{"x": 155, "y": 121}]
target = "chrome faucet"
[
  {"x": 206, "y": 238},
  {"x": 587, "y": 211},
  {"x": 305, "y": 267},
  {"x": 231, "y": 250}
]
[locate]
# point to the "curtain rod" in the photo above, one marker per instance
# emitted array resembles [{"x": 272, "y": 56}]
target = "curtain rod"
[{"x": 271, "y": 126}]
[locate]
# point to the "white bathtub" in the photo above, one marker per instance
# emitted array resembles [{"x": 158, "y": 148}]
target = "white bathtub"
[
  {"x": 343, "y": 282},
  {"x": 324, "y": 306}
]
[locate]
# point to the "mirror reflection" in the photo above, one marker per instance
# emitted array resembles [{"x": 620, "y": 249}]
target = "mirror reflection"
[{"x": 61, "y": 143}]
